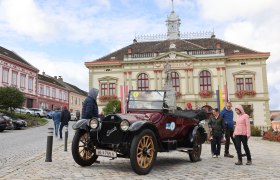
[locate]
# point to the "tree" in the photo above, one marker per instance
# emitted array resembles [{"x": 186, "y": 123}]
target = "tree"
[
  {"x": 10, "y": 98},
  {"x": 113, "y": 106}
]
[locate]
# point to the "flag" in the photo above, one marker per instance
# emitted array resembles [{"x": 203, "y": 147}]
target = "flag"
[
  {"x": 221, "y": 99},
  {"x": 218, "y": 98}
]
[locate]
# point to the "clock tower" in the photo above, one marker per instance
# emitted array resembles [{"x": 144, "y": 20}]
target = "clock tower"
[{"x": 173, "y": 24}]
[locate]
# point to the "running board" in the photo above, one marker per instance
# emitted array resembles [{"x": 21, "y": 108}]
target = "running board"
[{"x": 184, "y": 149}]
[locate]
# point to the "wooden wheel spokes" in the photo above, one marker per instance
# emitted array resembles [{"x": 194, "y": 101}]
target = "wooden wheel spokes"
[
  {"x": 145, "y": 151},
  {"x": 84, "y": 151}
]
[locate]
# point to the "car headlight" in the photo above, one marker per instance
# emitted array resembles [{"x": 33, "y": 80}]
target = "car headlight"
[
  {"x": 124, "y": 125},
  {"x": 93, "y": 123}
]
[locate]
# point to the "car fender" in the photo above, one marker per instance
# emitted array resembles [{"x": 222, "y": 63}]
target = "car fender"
[
  {"x": 198, "y": 129},
  {"x": 81, "y": 124}
]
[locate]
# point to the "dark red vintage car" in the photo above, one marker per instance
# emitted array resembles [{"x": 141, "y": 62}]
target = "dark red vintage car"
[{"x": 152, "y": 124}]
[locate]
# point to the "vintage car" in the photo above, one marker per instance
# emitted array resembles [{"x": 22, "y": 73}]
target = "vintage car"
[{"x": 151, "y": 125}]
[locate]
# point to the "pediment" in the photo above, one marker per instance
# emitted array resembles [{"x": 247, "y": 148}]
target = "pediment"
[
  {"x": 244, "y": 72},
  {"x": 172, "y": 55}
]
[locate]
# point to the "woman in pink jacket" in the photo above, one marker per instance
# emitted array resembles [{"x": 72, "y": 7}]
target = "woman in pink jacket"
[{"x": 242, "y": 133}]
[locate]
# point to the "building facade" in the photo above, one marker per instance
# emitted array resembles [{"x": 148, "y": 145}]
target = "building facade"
[
  {"x": 76, "y": 98},
  {"x": 16, "y": 72},
  {"x": 200, "y": 64},
  {"x": 51, "y": 94}
]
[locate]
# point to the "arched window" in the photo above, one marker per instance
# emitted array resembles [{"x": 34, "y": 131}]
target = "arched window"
[
  {"x": 205, "y": 80},
  {"x": 143, "y": 82},
  {"x": 175, "y": 81}
]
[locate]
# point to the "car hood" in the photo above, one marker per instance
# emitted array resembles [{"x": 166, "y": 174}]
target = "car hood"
[{"x": 134, "y": 117}]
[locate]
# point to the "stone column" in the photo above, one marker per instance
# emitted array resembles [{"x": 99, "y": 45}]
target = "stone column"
[
  {"x": 129, "y": 80},
  {"x": 156, "y": 79},
  {"x": 191, "y": 88},
  {"x": 218, "y": 76},
  {"x": 160, "y": 79},
  {"x": 224, "y": 77},
  {"x": 187, "y": 81}
]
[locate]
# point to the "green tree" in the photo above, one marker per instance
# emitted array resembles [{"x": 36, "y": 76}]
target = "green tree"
[
  {"x": 10, "y": 97},
  {"x": 113, "y": 105}
]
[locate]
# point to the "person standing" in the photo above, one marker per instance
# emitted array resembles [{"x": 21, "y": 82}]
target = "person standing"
[
  {"x": 216, "y": 128},
  {"x": 78, "y": 114},
  {"x": 227, "y": 114},
  {"x": 65, "y": 118},
  {"x": 56, "y": 120},
  {"x": 90, "y": 108},
  {"x": 242, "y": 133}
]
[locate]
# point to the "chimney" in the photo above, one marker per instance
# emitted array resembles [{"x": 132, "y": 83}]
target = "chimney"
[
  {"x": 43, "y": 73},
  {"x": 55, "y": 77},
  {"x": 60, "y": 78}
]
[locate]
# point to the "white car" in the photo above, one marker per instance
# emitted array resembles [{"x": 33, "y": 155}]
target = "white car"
[
  {"x": 23, "y": 110},
  {"x": 38, "y": 112}
]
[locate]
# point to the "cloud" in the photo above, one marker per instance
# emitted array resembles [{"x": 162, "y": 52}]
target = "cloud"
[{"x": 72, "y": 72}]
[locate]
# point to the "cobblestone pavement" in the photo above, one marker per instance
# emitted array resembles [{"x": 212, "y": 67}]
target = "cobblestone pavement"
[{"x": 173, "y": 165}]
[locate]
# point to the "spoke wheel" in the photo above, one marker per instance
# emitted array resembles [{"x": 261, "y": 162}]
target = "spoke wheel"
[
  {"x": 82, "y": 151},
  {"x": 143, "y": 152},
  {"x": 195, "y": 153}
]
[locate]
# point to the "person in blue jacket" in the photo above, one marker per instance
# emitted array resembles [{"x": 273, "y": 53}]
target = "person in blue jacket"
[
  {"x": 56, "y": 120},
  {"x": 90, "y": 108},
  {"x": 227, "y": 114}
]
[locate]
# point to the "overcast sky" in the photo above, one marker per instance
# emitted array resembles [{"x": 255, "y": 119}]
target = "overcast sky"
[{"x": 59, "y": 36}]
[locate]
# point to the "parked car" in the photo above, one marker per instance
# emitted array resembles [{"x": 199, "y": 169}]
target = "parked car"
[
  {"x": 38, "y": 112},
  {"x": 152, "y": 124},
  {"x": 73, "y": 117},
  {"x": 49, "y": 114},
  {"x": 13, "y": 123},
  {"x": 23, "y": 110},
  {"x": 3, "y": 123}
]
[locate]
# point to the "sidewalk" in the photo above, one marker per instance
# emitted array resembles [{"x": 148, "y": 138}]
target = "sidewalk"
[{"x": 173, "y": 165}]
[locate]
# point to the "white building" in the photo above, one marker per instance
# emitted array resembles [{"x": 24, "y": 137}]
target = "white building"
[{"x": 200, "y": 63}]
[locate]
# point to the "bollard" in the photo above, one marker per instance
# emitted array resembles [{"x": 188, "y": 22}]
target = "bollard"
[
  {"x": 49, "y": 145},
  {"x": 66, "y": 138}
]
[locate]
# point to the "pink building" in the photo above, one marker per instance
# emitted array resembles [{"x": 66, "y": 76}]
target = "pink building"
[
  {"x": 51, "y": 93},
  {"x": 15, "y": 71}
]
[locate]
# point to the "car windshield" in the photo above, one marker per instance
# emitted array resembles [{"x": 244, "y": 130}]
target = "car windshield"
[{"x": 145, "y": 100}]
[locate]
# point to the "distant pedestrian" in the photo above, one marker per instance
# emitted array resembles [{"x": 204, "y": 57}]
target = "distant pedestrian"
[
  {"x": 216, "y": 127},
  {"x": 90, "y": 108},
  {"x": 227, "y": 114},
  {"x": 242, "y": 133},
  {"x": 65, "y": 118},
  {"x": 78, "y": 114},
  {"x": 56, "y": 120}
]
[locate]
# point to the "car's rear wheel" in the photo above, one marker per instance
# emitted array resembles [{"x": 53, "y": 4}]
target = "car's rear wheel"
[
  {"x": 195, "y": 153},
  {"x": 143, "y": 152},
  {"x": 82, "y": 152}
]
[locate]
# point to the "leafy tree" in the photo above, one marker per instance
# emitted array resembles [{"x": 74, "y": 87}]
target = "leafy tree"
[
  {"x": 10, "y": 97},
  {"x": 113, "y": 105}
]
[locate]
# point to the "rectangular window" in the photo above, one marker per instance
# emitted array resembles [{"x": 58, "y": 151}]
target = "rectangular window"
[
  {"x": 104, "y": 89},
  {"x": 30, "y": 83},
  {"x": 5, "y": 75},
  {"x": 112, "y": 89},
  {"x": 240, "y": 84},
  {"x": 22, "y": 80},
  {"x": 53, "y": 92},
  {"x": 60, "y": 94},
  {"x": 14, "y": 78},
  {"x": 76, "y": 100},
  {"x": 48, "y": 91},
  {"x": 249, "y": 84},
  {"x": 42, "y": 90}
]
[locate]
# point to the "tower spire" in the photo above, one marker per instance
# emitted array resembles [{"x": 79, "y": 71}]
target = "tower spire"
[{"x": 172, "y": 6}]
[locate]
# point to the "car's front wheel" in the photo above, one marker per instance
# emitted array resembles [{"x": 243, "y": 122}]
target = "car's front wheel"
[
  {"x": 83, "y": 152},
  {"x": 143, "y": 152},
  {"x": 195, "y": 153}
]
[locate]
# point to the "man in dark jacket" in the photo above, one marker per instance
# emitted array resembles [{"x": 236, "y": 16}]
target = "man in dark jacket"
[
  {"x": 90, "y": 108},
  {"x": 65, "y": 118},
  {"x": 227, "y": 114}
]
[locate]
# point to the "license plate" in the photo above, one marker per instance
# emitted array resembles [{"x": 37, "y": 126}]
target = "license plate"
[{"x": 107, "y": 153}]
